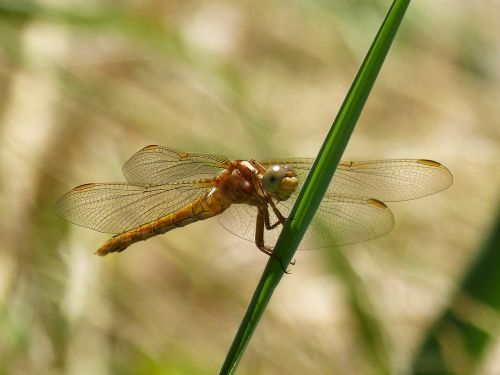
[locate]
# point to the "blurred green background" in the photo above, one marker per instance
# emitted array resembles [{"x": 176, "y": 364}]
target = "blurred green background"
[{"x": 85, "y": 84}]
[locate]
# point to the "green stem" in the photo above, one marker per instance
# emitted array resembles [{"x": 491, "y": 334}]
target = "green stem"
[{"x": 317, "y": 181}]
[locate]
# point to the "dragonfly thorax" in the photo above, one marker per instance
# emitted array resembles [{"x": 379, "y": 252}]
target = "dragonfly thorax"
[{"x": 240, "y": 183}]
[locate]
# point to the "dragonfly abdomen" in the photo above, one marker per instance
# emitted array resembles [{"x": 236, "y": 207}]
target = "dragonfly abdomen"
[{"x": 200, "y": 209}]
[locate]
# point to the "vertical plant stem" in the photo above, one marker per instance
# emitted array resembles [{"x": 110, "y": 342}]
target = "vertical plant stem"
[{"x": 317, "y": 181}]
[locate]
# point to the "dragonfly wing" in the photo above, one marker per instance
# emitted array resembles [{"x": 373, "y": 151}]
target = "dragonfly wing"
[
  {"x": 115, "y": 208},
  {"x": 240, "y": 219},
  {"x": 385, "y": 180},
  {"x": 338, "y": 221},
  {"x": 346, "y": 220},
  {"x": 156, "y": 165}
]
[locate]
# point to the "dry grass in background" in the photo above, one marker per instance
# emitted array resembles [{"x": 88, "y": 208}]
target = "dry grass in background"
[{"x": 84, "y": 87}]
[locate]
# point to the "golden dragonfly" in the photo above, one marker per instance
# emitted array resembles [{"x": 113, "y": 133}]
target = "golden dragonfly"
[{"x": 166, "y": 189}]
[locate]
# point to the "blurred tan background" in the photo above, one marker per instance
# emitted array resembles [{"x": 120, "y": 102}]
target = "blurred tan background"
[{"x": 85, "y": 84}]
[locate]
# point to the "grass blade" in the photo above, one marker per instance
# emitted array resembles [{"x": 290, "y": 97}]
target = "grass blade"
[
  {"x": 317, "y": 181},
  {"x": 373, "y": 344},
  {"x": 457, "y": 341}
]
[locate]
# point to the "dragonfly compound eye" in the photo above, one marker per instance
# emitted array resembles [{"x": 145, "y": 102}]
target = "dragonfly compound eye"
[{"x": 272, "y": 178}]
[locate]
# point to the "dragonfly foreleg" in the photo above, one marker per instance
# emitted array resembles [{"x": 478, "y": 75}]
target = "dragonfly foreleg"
[
  {"x": 281, "y": 218},
  {"x": 263, "y": 220}
]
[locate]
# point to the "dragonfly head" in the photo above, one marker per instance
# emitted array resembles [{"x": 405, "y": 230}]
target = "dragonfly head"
[{"x": 280, "y": 181}]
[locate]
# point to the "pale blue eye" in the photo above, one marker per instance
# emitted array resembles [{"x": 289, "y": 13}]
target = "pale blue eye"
[{"x": 272, "y": 178}]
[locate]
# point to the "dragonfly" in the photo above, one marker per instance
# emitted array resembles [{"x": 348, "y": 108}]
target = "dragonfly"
[{"x": 166, "y": 189}]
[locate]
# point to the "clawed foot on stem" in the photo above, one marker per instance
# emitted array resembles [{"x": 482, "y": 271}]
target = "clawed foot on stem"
[{"x": 269, "y": 251}]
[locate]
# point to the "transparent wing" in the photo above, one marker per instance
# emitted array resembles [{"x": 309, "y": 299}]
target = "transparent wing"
[
  {"x": 115, "y": 208},
  {"x": 156, "y": 165},
  {"x": 338, "y": 221},
  {"x": 385, "y": 180}
]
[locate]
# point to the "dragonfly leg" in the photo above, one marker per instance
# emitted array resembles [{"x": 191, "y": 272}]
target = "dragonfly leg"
[
  {"x": 267, "y": 221},
  {"x": 281, "y": 218},
  {"x": 262, "y": 220},
  {"x": 270, "y": 226}
]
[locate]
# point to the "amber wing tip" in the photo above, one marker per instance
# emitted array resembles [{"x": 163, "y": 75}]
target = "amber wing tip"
[
  {"x": 376, "y": 203},
  {"x": 150, "y": 147},
  {"x": 84, "y": 186},
  {"x": 430, "y": 163}
]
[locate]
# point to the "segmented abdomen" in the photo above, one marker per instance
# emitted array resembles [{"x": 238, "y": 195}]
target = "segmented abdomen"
[{"x": 200, "y": 209}]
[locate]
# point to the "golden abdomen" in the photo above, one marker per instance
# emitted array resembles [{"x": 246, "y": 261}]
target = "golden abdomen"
[{"x": 202, "y": 208}]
